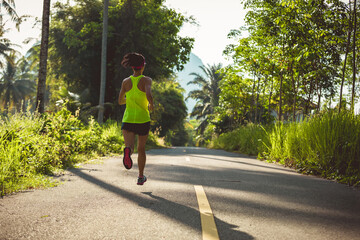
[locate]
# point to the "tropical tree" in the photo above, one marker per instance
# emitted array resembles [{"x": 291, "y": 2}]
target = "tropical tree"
[
  {"x": 147, "y": 27},
  {"x": 32, "y": 59},
  {"x": 347, "y": 49},
  {"x": 293, "y": 52},
  {"x": 170, "y": 109},
  {"x": 208, "y": 95},
  {"x": 41, "y": 87},
  {"x": 5, "y": 47},
  {"x": 235, "y": 103},
  {"x": 15, "y": 84},
  {"x": 354, "y": 59},
  {"x": 9, "y": 7}
]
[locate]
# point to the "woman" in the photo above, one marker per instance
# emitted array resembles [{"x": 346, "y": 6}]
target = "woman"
[{"x": 136, "y": 119}]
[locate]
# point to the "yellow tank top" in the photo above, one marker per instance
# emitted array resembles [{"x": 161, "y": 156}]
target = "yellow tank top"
[{"x": 136, "y": 110}]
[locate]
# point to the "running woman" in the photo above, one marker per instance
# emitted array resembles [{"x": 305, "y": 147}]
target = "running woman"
[{"x": 136, "y": 119}]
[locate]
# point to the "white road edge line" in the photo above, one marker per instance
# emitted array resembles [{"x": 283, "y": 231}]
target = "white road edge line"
[{"x": 209, "y": 230}]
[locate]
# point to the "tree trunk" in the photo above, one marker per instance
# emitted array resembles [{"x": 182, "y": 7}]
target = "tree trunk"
[
  {"x": 319, "y": 100},
  {"x": 257, "y": 101},
  {"x": 280, "y": 100},
  {"x": 271, "y": 91},
  {"x": 253, "y": 100},
  {"x": 308, "y": 101},
  {"x": 270, "y": 95},
  {"x": 294, "y": 89},
  {"x": 318, "y": 93},
  {"x": 346, "y": 55},
  {"x": 41, "y": 88},
  {"x": 354, "y": 61}
]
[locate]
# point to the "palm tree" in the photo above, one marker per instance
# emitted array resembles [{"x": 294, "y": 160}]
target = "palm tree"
[
  {"x": 15, "y": 87},
  {"x": 5, "y": 46},
  {"x": 41, "y": 88},
  {"x": 9, "y": 6},
  {"x": 208, "y": 96}
]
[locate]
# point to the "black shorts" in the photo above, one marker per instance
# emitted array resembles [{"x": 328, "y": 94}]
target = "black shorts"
[{"x": 141, "y": 129}]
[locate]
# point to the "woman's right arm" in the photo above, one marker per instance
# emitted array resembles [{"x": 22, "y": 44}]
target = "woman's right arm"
[{"x": 149, "y": 96}]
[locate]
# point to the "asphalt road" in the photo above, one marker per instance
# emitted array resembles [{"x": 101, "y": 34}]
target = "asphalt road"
[{"x": 249, "y": 199}]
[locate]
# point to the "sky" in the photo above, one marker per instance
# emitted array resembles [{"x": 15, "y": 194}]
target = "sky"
[{"x": 215, "y": 19}]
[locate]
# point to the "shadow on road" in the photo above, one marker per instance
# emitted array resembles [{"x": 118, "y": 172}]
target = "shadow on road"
[
  {"x": 224, "y": 228},
  {"x": 242, "y": 162},
  {"x": 265, "y": 192},
  {"x": 182, "y": 214},
  {"x": 290, "y": 196},
  {"x": 209, "y": 154}
]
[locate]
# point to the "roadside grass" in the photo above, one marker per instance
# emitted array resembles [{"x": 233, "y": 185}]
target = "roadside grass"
[
  {"x": 35, "y": 148},
  {"x": 245, "y": 139},
  {"x": 327, "y": 145}
]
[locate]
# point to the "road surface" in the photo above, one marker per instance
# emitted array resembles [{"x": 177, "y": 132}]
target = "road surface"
[{"x": 247, "y": 199}]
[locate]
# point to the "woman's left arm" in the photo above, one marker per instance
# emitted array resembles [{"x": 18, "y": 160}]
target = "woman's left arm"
[{"x": 122, "y": 99}]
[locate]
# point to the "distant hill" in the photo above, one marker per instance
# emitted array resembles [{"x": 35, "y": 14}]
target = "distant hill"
[{"x": 184, "y": 77}]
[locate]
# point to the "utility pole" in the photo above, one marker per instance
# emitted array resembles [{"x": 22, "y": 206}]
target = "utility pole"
[{"x": 103, "y": 62}]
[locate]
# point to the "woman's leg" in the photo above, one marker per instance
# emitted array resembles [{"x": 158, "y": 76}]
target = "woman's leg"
[
  {"x": 141, "y": 154},
  {"x": 129, "y": 139}
]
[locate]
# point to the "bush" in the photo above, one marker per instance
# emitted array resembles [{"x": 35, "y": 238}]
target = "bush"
[
  {"x": 33, "y": 146},
  {"x": 327, "y": 144},
  {"x": 112, "y": 140},
  {"x": 245, "y": 139},
  {"x": 23, "y": 153}
]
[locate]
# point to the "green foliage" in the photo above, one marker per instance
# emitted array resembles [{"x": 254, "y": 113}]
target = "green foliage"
[
  {"x": 32, "y": 147},
  {"x": 190, "y": 127},
  {"x": 245, "y": 139},
  {"x": 293, "y": 55},
  {"x": 111, "y": 140},
  {"x": 141, "y": 26},
  {"x": 208, "y": 96},
  {"x": 16, "y": 85},
  {"x": 170, "y": 109},
  {"x": 7, "y": 13},
  {"x": 8, "y": 6},
  {"x": 327, "y": 144},
  {"x": 152, "y": 141},
  {"x": 178, "y": 137},
  {"x": 235, "y": 93}
]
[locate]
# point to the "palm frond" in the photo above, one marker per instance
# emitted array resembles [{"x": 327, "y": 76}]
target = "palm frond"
[
  {"x": 198, "y": 80},
  {"x": 207, "y": 97},
  {"x": 9, "y": 6},
  {"x": 14, "y": 87}
]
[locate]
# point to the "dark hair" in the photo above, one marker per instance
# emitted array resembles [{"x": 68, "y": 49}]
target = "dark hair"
[{"x": 134, "y": 60}]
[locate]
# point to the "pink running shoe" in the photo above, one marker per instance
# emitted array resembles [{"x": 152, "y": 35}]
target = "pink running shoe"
[
  {"x": 141, "y": 180},
  {"x": 127, "y": 159}
]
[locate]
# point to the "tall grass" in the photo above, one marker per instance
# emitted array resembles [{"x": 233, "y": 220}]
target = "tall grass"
[
  {"x": 327, "y": 144},
  {"x": 248, "y": 139},
  {"x": 33, "y": 147}
]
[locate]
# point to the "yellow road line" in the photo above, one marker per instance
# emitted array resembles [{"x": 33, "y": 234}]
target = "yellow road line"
[{"x": 209, "y": 230}]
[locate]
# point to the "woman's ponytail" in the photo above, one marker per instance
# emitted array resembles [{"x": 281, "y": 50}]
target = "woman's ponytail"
[{"x": 134, "y": 60}]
